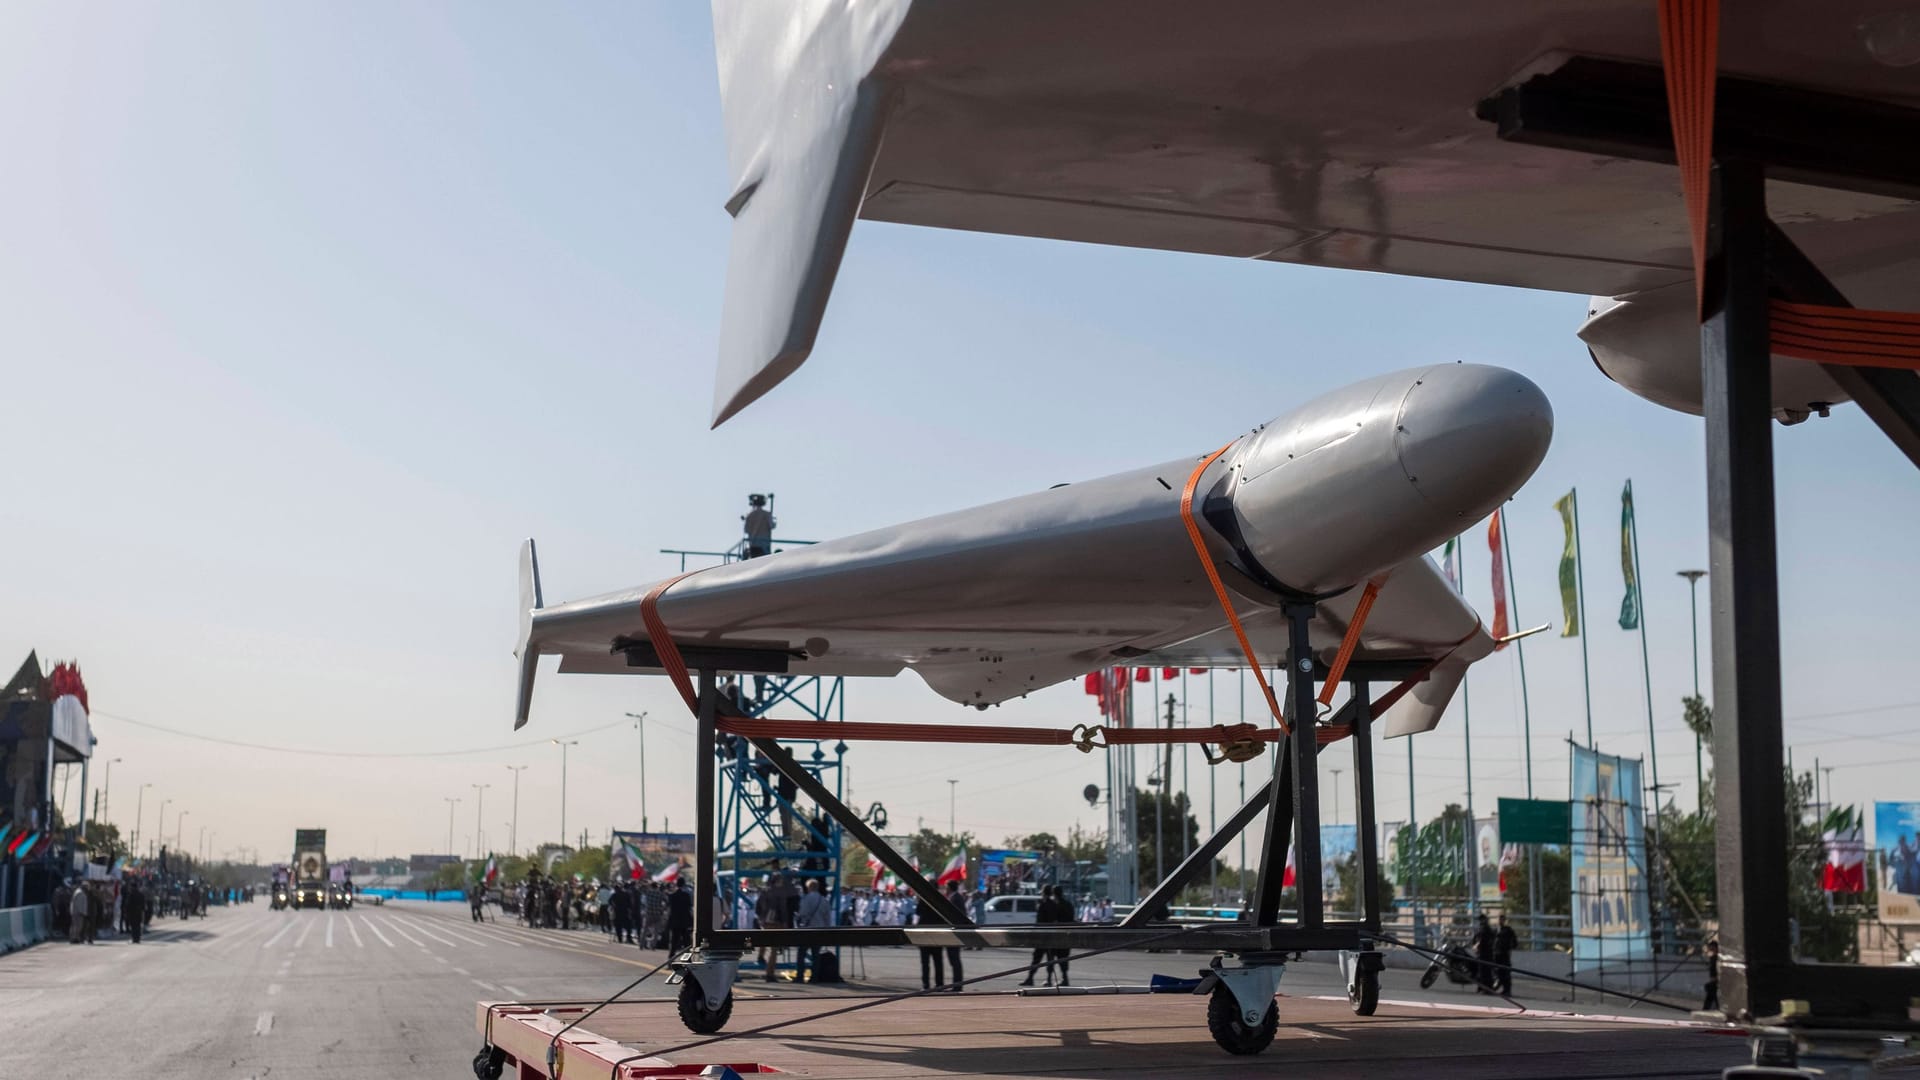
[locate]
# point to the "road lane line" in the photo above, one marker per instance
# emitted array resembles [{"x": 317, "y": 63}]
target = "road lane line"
[
  {"x": 272, "y": 989},
  {"x": 283, "y": 933},
  {"x": 447, "y": 941},
  {"x": 487, "y": 986},
  {"x": 356, "y": 934},
  {"x": 376, "y": 931},
  {"x": 466, "y": 936},
  {"x": 461, "y": 971},
  {"x": 514, "y": 990},
  {"x": 398, "y": 929},
  {"x": 304, "y": 931},
  {"x": 264, "y": 1024},
  {"x": 329, "y": 929}
]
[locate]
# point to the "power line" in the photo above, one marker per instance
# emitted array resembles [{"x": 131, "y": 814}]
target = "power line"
[{"x": 346, "y": 753}]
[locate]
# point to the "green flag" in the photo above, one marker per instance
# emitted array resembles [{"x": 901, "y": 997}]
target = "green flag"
[
  {"x": 1569, "y": 570},
  {"x": 1630, "y": 605}
]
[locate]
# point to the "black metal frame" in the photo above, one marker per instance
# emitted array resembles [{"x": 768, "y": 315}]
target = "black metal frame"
[
  {"x": 1291, "y": 798},
  {"x": 1762, "y": 131}
]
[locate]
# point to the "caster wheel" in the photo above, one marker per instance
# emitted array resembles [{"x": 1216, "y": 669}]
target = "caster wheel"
[
  {"x": 701, "y": 1017},
  {"x": 1231, "y": 1030},
  {"x": 489, "y": 1063},
  {"x": 1427, "y": 980},
  {"x": 1365, "y": 994}
]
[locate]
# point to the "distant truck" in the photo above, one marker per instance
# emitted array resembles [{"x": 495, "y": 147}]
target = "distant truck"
[{"x": 309, "y": 868}]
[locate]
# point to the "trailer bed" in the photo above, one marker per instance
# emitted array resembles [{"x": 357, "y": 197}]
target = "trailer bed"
[{"x": 1002, "y": 1035}]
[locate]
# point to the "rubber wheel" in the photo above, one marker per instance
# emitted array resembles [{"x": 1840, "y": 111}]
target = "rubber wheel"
[
  {"x": 1427, "y": 979},
  {"x": 1366, "y": 997},
  {"x": 1231, "y": 1032},
  {"x": 700, "y": 1018}
]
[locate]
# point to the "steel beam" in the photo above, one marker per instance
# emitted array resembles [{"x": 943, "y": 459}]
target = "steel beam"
[
  {"x": 705, "y": 878},
  {"x": 1278, "y": 834},
  {"x": 1756, "y": 961},
  {"x": 1306, "y": 771},
  {"x": 852, "y": 822},
  {"x": 1233, "y": 937},
  {"x": 1368, "y": 842}
]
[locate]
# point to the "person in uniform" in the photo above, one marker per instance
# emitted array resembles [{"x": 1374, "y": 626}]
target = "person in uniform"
[
  {"x": 1504, "y": 942},
  {"x": 133, "y": 907},
  {"x": 680, "y": 918},
  {"x": 1483, "y": 953}
]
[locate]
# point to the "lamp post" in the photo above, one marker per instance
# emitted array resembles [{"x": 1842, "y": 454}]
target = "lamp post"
[
  {"x": 640, "y": 725},
  {"x": 1336, "y": 796},
  {"x": 180, "y": 829},
  {"x": 563, "y": 744},
  {"x": 139, "y": 811},
  {"x": 200, "y": 844},
  {"x": 953, "y": 787},
  {"x": 480, "y": 800},
  {"x": 160, "y": 824},
  {"x": 513, "y": 830},
  {"x": 1693, "y": 598},
  {"x": 451, "y": 802},
  {"x": 106, "y": 791}
]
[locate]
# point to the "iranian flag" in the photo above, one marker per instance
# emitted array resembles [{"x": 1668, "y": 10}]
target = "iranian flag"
[
  {"x": 875, "y": 869},
  {"x": 492, "y": 871},
  {"x": 636, "y": 866},
  {"x": 1509, "y": 857},
  {"x": 1286, "y": 876},
  {"x": 1846, "y": 851},
  {"x": 955, "y": 870},
  {"x": 670, "y": 873}
]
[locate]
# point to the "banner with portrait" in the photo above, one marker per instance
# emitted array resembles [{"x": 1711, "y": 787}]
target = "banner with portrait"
[
  {"x": 1896, "y": 844},
  {"x": 1611, "y": 921}
]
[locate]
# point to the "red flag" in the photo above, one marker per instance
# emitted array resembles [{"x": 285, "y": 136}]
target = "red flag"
[
  {"x": 1092, "y": 682},
  {"x": 1142, "y": 674},
  {"x": 955, "y": 870},
  {"x": 1169, "y": 673},
  {"x": 1499, "y": 582},
  {"x": 1196, "y": 671}
]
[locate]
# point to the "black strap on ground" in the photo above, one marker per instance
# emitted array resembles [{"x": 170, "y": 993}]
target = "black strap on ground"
[
  {"x": 891, "y": 998},
  {"x": 1438, "y": 954}
]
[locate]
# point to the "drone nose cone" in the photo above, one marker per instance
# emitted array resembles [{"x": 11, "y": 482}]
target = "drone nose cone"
[{"x": 1468, "y": 436}]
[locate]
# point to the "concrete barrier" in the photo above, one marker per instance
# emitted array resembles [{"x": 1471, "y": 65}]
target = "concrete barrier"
[{"x": 24, "y": 926}]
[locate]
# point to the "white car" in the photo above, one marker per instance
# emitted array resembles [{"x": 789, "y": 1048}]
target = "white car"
[{"x": 1012, "y": 910}]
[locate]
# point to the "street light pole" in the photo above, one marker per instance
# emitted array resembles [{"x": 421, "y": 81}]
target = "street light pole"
[
  {"x": 160, "y": 827},
  {"x": 139, "y": 811},
  {"x": 106, "y": 791},
  {"x": 513, "y": 830},
  {"x": 480, "y": 800},
  {"x": 1693, "y": 598},
  {"x": 563, "y": 744},
  {"x": 1336, "y": 796},
  {"x": 953, "y": 787},
  {"x": 451, "y": 803},
  {"x": 179, "y": 829},
  {"x": 640, "y": 725}
]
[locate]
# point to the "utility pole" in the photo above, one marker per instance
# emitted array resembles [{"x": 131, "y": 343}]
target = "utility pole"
[
  {"x": 451, "y": 803},
  {"x": 479, "y": 801},
  {"x": 1336, "y": 796},
  {"x": 953, "y": 787},
  {"x": 159, "y": 828},
  {"x": 513, "y": 830},
  {"x": 1160, "y": 811},
  {"x": 563, "y": 782},
  {"x": 640, "y": 725},
  {"x": 180, "y": 828}
]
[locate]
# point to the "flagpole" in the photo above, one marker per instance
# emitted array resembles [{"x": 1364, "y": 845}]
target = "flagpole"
[
  {"x": 1470, "y": 869},
  {"x": 1526, "y": 728},
  {"x": 1243, "y": 789},
  {"x": 1646, "y": 672},
  {"x": 1580, "y": 596},
  {"x": 1213, "y": 865}
]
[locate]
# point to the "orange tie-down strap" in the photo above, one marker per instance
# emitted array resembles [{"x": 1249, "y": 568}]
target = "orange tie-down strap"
[
  {"x": 1219, "y": 587},
  {"x": 1851, "y": 336}
]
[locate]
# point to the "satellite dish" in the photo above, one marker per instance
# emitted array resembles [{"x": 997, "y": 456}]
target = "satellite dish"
[{"x": 1092, "y": 794}]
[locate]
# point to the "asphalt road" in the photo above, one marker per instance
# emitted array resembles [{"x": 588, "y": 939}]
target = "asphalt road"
[{"x": 389, "y": 991}]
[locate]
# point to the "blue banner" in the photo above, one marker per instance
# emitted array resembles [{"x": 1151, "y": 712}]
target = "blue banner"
[
  {"x": 1608, "y": 846},
  {"x": 1337, "y": 845},
  {"x": 1896, "y": 840}
]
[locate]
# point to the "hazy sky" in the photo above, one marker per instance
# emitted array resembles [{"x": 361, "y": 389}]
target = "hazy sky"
[{"x": 308, "y": 314}]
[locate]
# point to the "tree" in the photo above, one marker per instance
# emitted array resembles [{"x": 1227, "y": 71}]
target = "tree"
[
  {"x": 1556, "y": 882},
  {"x": 933, "y": 849},
  {"x": 1178, "y": 831}
]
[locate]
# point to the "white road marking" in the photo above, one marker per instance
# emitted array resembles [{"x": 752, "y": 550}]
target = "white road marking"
[
  {"x": 376, "y": 931},
  {"x": 356, "y": 934},
  {"x": 277, "y": 937},
  {"x": 304, "y": 931},
  {"x": 264, "y": 1024},
  {"x": 514, "y": 990},
  {"x": 272, "y": 989},
  {"x": 329, "y": 929},
  {"x": 438, "y": 958},
  {"x": 398, "y": 929},
  {"x": 487, "y": 986},
  {"x": 461, "y": 971},
  {"x": 447, "y": 941},
  {"x": 463, "y": 935}
]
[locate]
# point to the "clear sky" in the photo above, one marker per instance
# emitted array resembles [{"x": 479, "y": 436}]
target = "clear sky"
[{"x": 308, "y": 314}]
